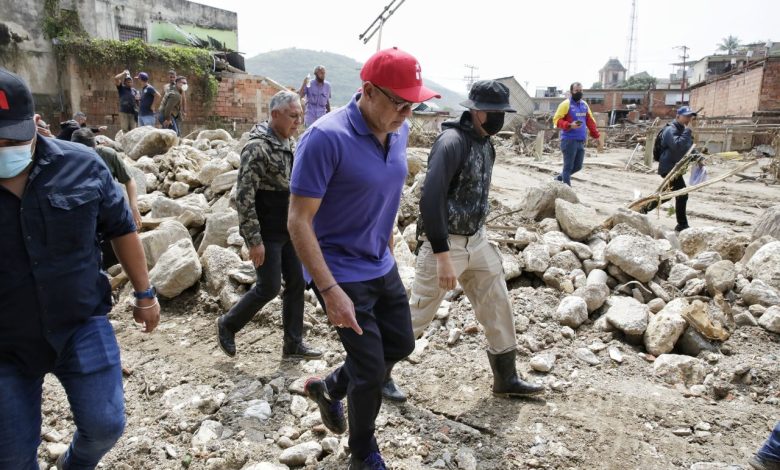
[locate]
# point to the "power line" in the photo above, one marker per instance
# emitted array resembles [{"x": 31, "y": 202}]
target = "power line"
[
  {"x": 684, "y": 57},
  {"x": 471, "y": 77},
  {"x": 379, "y": 23}
]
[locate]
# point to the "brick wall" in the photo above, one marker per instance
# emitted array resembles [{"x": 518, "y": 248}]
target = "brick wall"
[
  {"x": 242, "y": 99},
  {"x": 770, "y": 87},
  {"x": 734, "y": 95},
  {"x": 613, "y": 99}
]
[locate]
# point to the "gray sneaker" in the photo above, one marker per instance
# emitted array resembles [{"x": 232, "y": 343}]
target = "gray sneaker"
[{"x": 760, "y": 463}]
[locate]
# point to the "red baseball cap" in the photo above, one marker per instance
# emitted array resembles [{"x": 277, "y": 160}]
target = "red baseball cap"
[{"x": 399, "y": 72}]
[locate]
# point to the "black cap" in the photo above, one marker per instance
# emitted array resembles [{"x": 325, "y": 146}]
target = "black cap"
[
  {"x": 17, "y": 110},
  {"x": 488, "y": 95}
]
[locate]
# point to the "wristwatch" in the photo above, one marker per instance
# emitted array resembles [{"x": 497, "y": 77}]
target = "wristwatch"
[{"x": 149, "y": 293}]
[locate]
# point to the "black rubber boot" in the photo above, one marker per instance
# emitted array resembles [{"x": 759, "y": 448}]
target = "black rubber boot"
[
  {"x": 390, "y": 390},
  {"x": 505, "y": 380}
]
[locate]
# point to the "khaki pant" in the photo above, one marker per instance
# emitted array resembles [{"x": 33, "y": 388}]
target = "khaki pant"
[
  {"x": 127, "y": 121},
  {"x": 480, "y": 272}
]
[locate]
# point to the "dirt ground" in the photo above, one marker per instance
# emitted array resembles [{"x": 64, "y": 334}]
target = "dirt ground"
[{"x": 610, "y": 416}]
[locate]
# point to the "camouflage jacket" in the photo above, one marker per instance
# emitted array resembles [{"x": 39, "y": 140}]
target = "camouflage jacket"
[
  {"x": 455, "y": 192},
  {"x": 263, "y": 188}
]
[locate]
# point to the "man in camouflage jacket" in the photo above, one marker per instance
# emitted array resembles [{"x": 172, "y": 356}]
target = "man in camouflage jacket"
[
  {"x": 262, "y": 198},
  {"x": 453, "y": 208}
]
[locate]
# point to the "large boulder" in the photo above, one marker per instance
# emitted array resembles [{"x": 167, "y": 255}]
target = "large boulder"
[
  {"x": 536, "y": 258},
  {"x": 157, "y": 241},
  {"x": 212, "y": 169},
  {"x": 152, "y": 142},
  {"x": 572, "y": 311},
  {"x": 196, "y": 203},
  {"x": 539, "y": 202},
  {"x": 636, "y": 256},
  {"x": 640, "y": 222},
  {"x": 217, "y": 227},
  {"x": 720, "y": 277},
  {"x": 680, "y": 274},
  {"x": 729, "y": 245},
  {"x": 177, "y": 269},
  {"x": 754, "y": 246},
  {"x": 215, "y": 134},
  {"x": 566, "y": 260},
  {"x": 768, "y": 224},
  {"x": 678, "y": 369},
  {"x": 765, "y": 264},
  {"x": 759, "y": 293},
  {"x": 224, "y": 182},
  {"x": 594, "y": 295},
  {"x": 297, "y": 455},
  {"x": 770, "y": 320},
  {"x": 577, "y": 221},
  {"x": 665, "y": 328},
  {"x": 627, "y": 315},
  {"x": 217, "y": 264}
]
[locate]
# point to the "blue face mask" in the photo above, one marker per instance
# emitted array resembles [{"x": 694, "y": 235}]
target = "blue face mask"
[{"x": 13, "y": 160}]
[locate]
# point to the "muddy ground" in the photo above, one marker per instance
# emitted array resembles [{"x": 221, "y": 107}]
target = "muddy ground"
[{"x": 611, "y": 416}]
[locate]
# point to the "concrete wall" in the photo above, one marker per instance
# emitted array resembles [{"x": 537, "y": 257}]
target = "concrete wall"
[
  {"x": 735, "y": 95},
  {"x": 769, "y": 99}
]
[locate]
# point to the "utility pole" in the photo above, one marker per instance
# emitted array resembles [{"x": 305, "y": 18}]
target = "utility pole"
[
  {"x": 631, "y": 60},
  {"x": 684, "y": 57},
  {"x": 471, "y": 77},
  {"x": 378, "y": 24}
]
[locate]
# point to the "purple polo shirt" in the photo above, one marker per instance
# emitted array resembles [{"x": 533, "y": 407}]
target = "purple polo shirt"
[
  {"x": 317, "y": 96},
  {"x": 339, "y": 161}
]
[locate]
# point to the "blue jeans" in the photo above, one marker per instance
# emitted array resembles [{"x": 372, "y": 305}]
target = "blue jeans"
[
  {"x": 146, "y": 120},
  {"x": 573, "y": 157},
  {"x": 771, "y": 448},
  {"x": 89, "y": 370}
]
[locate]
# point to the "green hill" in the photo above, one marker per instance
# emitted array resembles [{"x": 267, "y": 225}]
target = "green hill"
[{"x": 290, "y": 66}]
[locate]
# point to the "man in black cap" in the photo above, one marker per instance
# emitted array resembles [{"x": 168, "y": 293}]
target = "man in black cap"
[
  {"x": 55, "y": 198},
  {"x": 453, "y": 209}
]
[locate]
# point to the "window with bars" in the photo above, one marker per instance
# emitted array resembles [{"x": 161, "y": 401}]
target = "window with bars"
[{"x": 127, "y": 33}]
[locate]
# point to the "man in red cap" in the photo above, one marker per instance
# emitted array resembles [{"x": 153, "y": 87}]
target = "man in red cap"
[{"x": 345, "y": 189}]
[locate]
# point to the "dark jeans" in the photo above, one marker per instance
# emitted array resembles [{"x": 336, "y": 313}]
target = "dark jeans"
[
  {"x": 771, "y": 448},
  {"x": 280, "y": 262},
  {"x": 573, "y": 158},
  {"x": 382, "y": 311},
  {"x": 680, "y": 202},
  {"x": 90, "y": 372}
]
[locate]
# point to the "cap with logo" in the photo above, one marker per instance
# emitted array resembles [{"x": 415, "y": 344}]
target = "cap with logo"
[
  {"x": 143, "y": 76},
  {"x": 489, "y": 95},
  {"x": 686, "y": 111},
  {"x": 399, "y": 72},
  {"x": 17, "y": 109}
]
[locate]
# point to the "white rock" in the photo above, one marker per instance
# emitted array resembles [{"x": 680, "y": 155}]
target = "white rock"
[
  {"x": 178, "y": 189},
  {"x": 209, "y": 431},
  {"x": 759, "y": 293},
  {"x": 244, "y": 274},
  {"x": 298, "y": 406},
  {"x": 258, "y": 409},
  {"x": 637, "y": 257},
  {"x": 594, "y": 295},
  {"x": 466, "y": 459},
  {"x": 267, "y": 466},
  {"x": 330, "y": 445},
  {"x": 55, "y": 449},
  {"x": 577, "y": 221},
  {"x": 615, "y": 354},
  {"x": 770, "y": 320},
  {"x": 627, "y": 315},
  {"x": 572, "y": 311},
  {"x": 224, "y": 181},
  {"x": 157, "y": 241},
  {"x": 215, "y": 134},
  {"x": 213, "y": 169},
  {"x": 587, "y": 356},
  {"x": 217, "y": 263},
  {"x": 765, "y": 265},
  {"x": 217, "y": 227},
  {"x": 728, "y": 244},
  {"x": 177, "y": 269},
  {"x": 297, "y": 455},
  {"x": 542, "y": 362},
  {"x": 582, "y": 250},
  {"x": 720, "y": 277},
  {"x": 555, "y": 241},
  {"x": 704, "y": 260},
  {"x": 539, "y": 202},
  {"x": 679, "y": 369},
  {"x": 148, "y": 141},
  {"x": 680, "y": 274},
  {"x": 525, "y": 237},
  {"x": 410, "y": 236},
  {"x": 665, "y": 328},
  {"x": 536, "y": 258}
]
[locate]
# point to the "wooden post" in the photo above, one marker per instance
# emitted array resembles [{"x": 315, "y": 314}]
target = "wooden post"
[
  {"x": 649, "y": 144},
  {"x": 602, "y": 141},
  {"x": 539, "y": 145}
]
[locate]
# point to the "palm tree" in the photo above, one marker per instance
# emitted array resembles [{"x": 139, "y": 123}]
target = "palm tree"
[{"x": 729, "y": 44}]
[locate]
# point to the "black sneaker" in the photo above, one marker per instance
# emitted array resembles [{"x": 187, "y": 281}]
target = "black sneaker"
[
  {"x": 759, "y": 463},
  {"x": 680, "y": 228},
  {"x": 226, "y": 339},
  {"x": 331, "y": 412},
  {"x": 372, "y": 462},
  {"x": 300, "y": 351},
  {"x": 391, "y": 391}
]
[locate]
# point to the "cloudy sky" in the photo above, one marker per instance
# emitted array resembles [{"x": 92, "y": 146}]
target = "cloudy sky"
[{"x": 541, "y": 42}]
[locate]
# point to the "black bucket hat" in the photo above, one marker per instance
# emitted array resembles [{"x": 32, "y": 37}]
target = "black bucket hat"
[{"x": 489, "y": 95}]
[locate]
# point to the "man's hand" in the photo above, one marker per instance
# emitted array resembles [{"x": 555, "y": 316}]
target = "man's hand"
[
  {"x": 147, "y": 313},
  {"x": 257, "y": 255},
  {"x": 341, "y": 310},
  {"x": 137, "y": 219},
  {"x": 167, "y": 123},
  {"x": 574, "y": 125},
  {"x": 103, "y": 128},
  {"x": 445, "y": 271}
]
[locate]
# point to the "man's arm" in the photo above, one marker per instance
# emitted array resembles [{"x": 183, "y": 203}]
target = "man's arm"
[
  {"x": 131, "y": 256},
  {"x": 561, "y": 117},
  {"x": 339, "y": 307},
  {"x": 678, "y": 144},
  {"x": 119, "y": 77},
  {"x": 132, "y": 196},
  {"x": 156, "y": 100},
  {"x": 591, "y": 123},
  {"x": 302, "y": 90},
  {"x": 250, "y": 172}
]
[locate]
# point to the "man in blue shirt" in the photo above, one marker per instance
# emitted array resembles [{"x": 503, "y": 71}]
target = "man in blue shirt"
[
  {"x": 317, "y": 96},
  {"x": 56, "y": 199},
  {"x": 345, "y": 190},
  {"x": 146, "y": 115},
  {"x": 128, "y": 100}
]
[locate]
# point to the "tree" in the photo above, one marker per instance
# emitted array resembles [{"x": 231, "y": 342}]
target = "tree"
[
  {"x": 639, "y": 82},
  {"x": 596, "y": 86},
  {"x": 730, "y": 44}
]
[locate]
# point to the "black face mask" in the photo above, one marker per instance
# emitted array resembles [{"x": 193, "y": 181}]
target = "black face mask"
[
  {"x": 493, "y": 123},
  {"x": 577, "y": 96}
]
